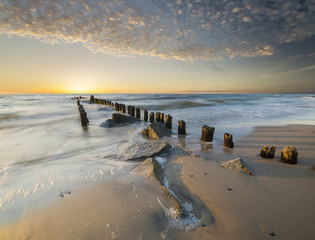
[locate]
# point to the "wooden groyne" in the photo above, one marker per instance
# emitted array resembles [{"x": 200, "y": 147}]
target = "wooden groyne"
[{"x": 207, "y": 133}]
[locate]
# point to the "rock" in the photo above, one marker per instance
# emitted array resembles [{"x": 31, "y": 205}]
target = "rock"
[
  {"x": 180, "y": 150},
  {"x": 236, "y": 164},
  {"x": 137, "y": 151},
  {"x": 207, "y": 133},
  {"x": 181, "y": 127},
  {"x": 267, "y": 152},
  {"x": 108, "y": 123},
  {"x": 156, "y": 130},
  {"x": 150, "y": 169},
  {"x": 228, "y": 140},
  {"x": 121, "y": 118},
  {"x": 289, "y": 155}
]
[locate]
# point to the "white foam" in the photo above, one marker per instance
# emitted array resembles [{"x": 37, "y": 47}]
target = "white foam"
[
  {"x": 161, "y": 161},
  {"x": 188, "y": 223}
]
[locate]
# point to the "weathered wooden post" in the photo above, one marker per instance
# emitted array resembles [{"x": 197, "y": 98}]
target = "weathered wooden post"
[
  {"x": 132, "y": 111},
  {"x": 92, "y": 99},
  {"x": 151, "y": 117},
  {"x": 78, "y": 102},
  {"x": 123, "y": 108},
  {"x": 267, "y": 152},
  {"x": 168, "y": 121},
  {"x": 228, "y": 140},
  {"x": 207, "y": 133},
  {"x": 157, "y": 116},
  {"x": 83, "y": 116},
  {"x": 161, "y": 118},
  {"x": 116, "y": 106},
  {"x": 289, "y": 155},
  {"x": 138, "y": 113},
  {"x": 145, "y": 115},
  {"x": 128, "y": 110},
  {"x": 181, "y": 127}
]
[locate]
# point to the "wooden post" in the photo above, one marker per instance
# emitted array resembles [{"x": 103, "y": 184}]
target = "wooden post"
[
  {"x": 157, "y": 116},
  {"x": 161, "y": 118},
  {"x": 181, "y": 127},
  {"x": 228, "y": 140},
  {"x": 92, "y": 99},
  {"x": 83, "y": 116},
  {"x": 138, "y": 115},
  {"x": 132, "y": 111},
  {"x": 207, "y": 133},
  {"x": 78, "y": 102},
  {"x": 123, "y": 110},
  {"x": 128, "y": 110},
  {"x": 168, "y": 121},
  {"x": 145, "y": 115},
  {"x": 116, "y": 106},
  {"x": 151, "y": 117}
]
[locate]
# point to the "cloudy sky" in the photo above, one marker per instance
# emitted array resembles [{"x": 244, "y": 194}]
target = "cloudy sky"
[{"x": 169, "y": 46}]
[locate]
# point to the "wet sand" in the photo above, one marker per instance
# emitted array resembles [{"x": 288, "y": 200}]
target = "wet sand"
[{"x": 275, "y": 202}]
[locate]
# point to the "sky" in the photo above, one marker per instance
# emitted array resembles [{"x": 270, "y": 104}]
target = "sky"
[{"x": 157, "y": 46}]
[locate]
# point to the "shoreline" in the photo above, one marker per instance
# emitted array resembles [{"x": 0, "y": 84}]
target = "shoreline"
[{"x": 276, "y": 201}]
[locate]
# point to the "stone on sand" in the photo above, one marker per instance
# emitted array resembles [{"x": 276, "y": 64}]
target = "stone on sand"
[
  {"x": 137, "y": 151},
  {"x": 236, "y": 164},
  {"x": 108, "y": 123},
  {"x": 121, "y": 118},
  {"x": 156, "y": 130}
]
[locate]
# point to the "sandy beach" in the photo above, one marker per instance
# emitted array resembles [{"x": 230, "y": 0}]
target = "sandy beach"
[{"x": 275, "y": 202}]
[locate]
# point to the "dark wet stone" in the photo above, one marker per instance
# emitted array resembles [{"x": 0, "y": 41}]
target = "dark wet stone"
[{"x": 156, "y": 130}]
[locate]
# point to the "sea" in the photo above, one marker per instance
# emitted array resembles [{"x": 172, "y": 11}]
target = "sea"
[{"x": 45, "y": 153}]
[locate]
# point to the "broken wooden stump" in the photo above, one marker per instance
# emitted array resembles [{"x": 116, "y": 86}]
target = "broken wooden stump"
[
  {"x": 145, "y": 115},
  {"x": 267, "y": 152},
  {"x": 78, "y": 102},
  {"x": 151, "y": 117},
  {"x": 207, "y": 133},
  {"x": 168, "y": 121},
  {"x": 289, "y": 155},
  {"x": 181, "y": 127},
  {"x": 228, "y": 140}
]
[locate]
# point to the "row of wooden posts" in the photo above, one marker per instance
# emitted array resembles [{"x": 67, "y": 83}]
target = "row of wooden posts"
[{"x": 206, "y": 132}]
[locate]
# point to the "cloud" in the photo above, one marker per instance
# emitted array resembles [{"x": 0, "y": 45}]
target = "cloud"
[{"x": 187, "y": 30}]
